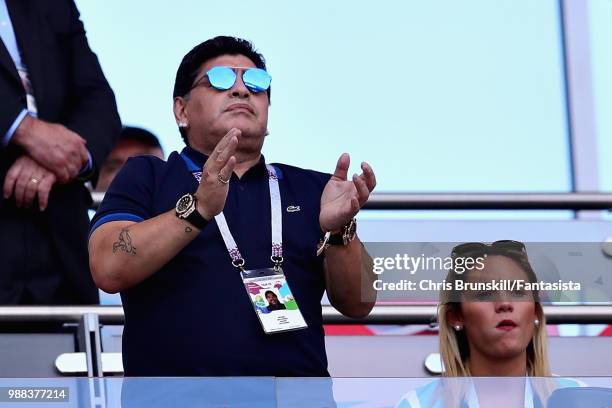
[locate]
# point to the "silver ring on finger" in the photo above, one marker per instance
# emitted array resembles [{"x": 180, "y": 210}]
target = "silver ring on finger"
[
  {"x": 34, "y": 180},
  {"x": 221, "y": 179}
]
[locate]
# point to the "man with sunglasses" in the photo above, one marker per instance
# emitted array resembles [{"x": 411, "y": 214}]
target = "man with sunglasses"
[{"x": 177, "y": 238}]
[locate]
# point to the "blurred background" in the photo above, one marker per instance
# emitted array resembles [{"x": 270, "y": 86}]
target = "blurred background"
[{"x": 505, "y": 96}]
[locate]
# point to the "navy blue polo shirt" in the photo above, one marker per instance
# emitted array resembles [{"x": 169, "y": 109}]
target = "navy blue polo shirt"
[{"x": 193, "y": 317}]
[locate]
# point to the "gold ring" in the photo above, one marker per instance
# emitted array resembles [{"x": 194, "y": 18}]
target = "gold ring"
[
  {"x": 221, "y": 179},
  {"x": 34, "y": 180}
]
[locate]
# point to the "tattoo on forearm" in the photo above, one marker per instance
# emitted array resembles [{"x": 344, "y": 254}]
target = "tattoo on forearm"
[
  {"x": 124, "y": 243},
  {"x": 188, "y": 229}
]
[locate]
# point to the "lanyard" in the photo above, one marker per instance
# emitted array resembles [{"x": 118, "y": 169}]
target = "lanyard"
[{"x": 276, "y": 212}]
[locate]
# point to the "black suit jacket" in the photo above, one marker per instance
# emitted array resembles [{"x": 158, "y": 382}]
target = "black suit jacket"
[{"x": 70, "y": 89}]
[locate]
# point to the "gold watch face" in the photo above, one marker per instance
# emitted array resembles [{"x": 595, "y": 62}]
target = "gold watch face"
[
  {"x": 184, "y": 204},
  {"x": 352, "y": 228},
  {"x": 350, "y": 232}
]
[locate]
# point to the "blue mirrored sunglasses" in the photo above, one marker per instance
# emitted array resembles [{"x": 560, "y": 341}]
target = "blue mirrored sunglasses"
[{"x": 223, "y": 78}]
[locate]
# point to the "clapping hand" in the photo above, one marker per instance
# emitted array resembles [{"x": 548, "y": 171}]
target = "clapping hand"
[
  {"x": 342, "y": 198},
  {"x": 216, "y": 174}
]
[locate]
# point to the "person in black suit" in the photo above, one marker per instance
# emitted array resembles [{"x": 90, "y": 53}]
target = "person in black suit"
[{"x": 58, "y": 122}]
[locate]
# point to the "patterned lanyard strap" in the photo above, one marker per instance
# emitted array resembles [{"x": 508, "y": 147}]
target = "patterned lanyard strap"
[{"x": 277, "y": 220}]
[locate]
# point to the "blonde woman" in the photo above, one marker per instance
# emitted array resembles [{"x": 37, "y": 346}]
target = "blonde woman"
[{"x": 490, "y": 332}]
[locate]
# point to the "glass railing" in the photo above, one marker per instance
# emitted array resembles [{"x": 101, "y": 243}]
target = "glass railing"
[{"x": 274, "y": 392}]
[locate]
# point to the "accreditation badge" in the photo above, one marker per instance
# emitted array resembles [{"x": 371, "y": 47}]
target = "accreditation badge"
[{"x": 272, "y": 300}]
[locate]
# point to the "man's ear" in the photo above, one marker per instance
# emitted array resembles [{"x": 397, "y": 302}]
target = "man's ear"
[{"x": 179, "y": 111}]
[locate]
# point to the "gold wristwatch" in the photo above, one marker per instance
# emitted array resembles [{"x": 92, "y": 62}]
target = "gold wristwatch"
[
  {"x": 186, "y": 209},
  {"x": 347, "y": 234}
]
